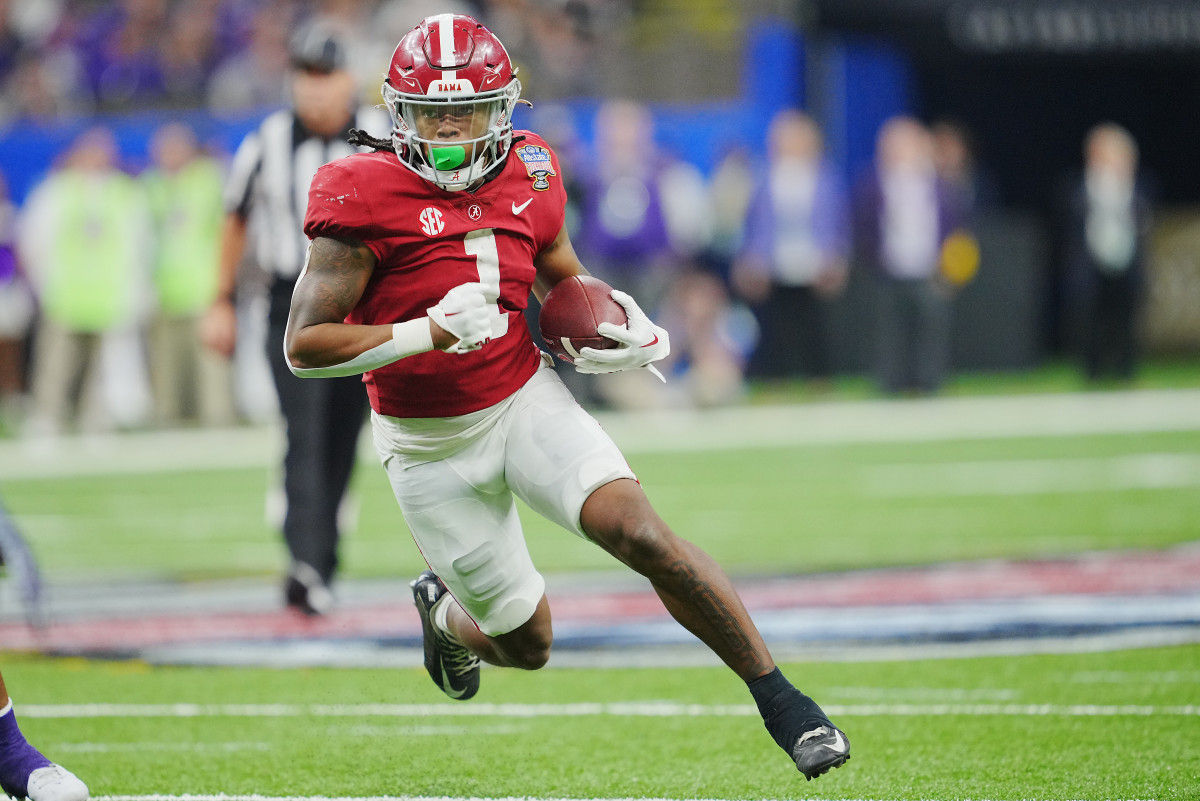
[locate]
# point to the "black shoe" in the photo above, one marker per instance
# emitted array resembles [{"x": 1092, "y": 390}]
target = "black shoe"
[
  {"x": 453, "y": 668},
  {"x": 306, "y": 592},
  {"x": 820, "y": 749}
]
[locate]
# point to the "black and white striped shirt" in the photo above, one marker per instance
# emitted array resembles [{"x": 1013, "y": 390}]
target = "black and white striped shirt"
[{"x": 269, "y": 179}]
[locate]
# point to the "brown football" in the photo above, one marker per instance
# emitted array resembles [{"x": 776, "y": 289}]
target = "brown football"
[{"x": 572, "y": 311}]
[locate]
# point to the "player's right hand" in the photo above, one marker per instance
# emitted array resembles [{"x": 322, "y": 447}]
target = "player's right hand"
[{"x": 466, "y": 313}]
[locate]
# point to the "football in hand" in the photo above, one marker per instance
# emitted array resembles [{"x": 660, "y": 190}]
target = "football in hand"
[{"x": 571, "y": 313}]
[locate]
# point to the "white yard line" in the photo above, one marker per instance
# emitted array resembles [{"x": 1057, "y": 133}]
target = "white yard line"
[
  {"x": 224, "y": 797},
  {"x": 918, "y": 420},
  {"x": 620, "y": 709},
  {"x": 1133, "y": 471}
]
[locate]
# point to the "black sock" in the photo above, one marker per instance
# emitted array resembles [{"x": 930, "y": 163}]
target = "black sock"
[{"x": 787, "y": 713}]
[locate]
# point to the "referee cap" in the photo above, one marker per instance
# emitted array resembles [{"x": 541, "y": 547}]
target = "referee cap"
[{"x": 316, "y": 48}]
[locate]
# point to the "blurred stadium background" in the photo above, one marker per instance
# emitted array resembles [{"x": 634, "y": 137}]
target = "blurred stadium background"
[
  {"x": 1021, "y": 509},
  {"x": 1026, "y": 80}
]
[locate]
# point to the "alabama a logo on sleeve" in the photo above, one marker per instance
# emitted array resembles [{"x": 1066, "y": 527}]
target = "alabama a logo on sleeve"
[{"x": 537, "y": 163}]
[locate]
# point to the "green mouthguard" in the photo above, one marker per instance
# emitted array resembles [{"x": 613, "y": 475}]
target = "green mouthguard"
[{"x": 448, "y": 158}]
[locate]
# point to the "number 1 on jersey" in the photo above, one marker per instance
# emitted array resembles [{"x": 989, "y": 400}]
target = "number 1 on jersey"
[{"x": 482, "y": 245}]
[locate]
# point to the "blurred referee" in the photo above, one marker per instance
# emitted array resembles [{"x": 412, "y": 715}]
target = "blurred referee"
[{"x": 267, "y": 192}]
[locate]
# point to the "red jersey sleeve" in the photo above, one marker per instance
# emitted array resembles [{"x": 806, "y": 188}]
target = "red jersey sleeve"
[{"x": 338, "y": 207}]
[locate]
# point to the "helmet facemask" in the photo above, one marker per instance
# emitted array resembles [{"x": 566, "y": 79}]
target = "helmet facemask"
[{"x": 454, "y": 163}]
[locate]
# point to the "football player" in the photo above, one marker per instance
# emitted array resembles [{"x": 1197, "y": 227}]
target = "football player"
[
  {"x": 422, "y": 259},
  {"x": 24, "y": 772}
]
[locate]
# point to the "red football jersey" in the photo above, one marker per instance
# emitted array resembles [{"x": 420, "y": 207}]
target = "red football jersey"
[{"x": 428, "y": 241}]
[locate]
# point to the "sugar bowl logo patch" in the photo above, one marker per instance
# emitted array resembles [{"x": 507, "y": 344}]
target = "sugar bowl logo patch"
[{"x": 537, "y": 163}]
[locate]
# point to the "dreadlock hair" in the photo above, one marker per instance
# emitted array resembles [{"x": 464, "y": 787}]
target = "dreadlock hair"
[{"x": 360, "y": 138}]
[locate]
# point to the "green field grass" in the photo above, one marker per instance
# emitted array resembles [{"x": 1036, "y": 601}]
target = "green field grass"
[
  {"x": 828, "y": 506},
  {"x": 1117, "y": 725},
  {"x": 757, "y": 510},
  {"x": 1082, "y": 726}
]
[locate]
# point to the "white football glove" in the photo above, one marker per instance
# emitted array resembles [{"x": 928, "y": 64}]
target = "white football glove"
[
  {"x": 466, "y": 312},
  {"x": 642, "y": 342}
]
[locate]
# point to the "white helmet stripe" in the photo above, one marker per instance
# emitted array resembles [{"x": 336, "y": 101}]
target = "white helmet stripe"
[{"x": 445, "y": 23}]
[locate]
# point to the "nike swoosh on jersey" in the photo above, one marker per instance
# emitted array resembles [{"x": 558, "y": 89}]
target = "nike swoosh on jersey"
[{"x": 518, "y": 209}]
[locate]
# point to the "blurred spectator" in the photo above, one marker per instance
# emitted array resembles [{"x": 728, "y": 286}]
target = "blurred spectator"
[
  {"x": 955, "y": 159},
  {"x": 82, "y": 240},
  {"x": 1109, "y": 219},
  {"x": 554, "y": 44},
  {"x": 645, "y": 212},
  {"x": 10, "y": 41},
  {"x": 24, "y": 27},
  {"x": 644, "y": 215},
  {"x": 46, "y": 85},
  {"x": 16, "y": 316},
  {"x": 40, "y": 74},
  {"x": 710, "y": 341},
  {"x": 256, "y": 75},
  {"x": 794, "y": 253},
  {"x": 189, "y": 52},
  {"x": 119, "y": 46},
  {"x": 903, "y": 213},
  {"x": 730, "y": 188},
  {"x": 184, "y": 189}
]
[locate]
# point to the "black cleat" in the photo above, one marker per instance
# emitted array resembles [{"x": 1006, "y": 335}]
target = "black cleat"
[
  {"x": 820, "y": 749},
  {"x": 453, "y": 668},
  {"x": 305, "y": 591}
]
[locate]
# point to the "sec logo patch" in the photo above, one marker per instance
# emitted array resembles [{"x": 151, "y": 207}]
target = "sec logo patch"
[{"x": 432, "y": 222}]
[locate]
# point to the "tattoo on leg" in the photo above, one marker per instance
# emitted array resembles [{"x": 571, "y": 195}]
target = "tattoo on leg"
[{"x": 712, "y": 616}]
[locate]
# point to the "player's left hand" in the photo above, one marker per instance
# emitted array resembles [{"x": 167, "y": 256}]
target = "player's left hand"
[{"x": 641, "y": 343}]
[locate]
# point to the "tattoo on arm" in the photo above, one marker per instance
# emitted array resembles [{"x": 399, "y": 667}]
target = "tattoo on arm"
[{"x": 333, "y": 282}]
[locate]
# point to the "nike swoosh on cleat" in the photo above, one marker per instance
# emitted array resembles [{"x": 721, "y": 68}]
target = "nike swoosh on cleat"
[
  {"x": 838, "y": 746},
  {"x": 518, "y": 209},
  {"x": 448, "y": 688}
]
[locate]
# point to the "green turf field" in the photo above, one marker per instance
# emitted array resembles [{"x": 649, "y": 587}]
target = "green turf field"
[
  {"x": 1116, "y": 725},
  {"x": 784, "y": 509},
  {"x": 1088, "y": 726},
  {"x": 833, "y": 504}
]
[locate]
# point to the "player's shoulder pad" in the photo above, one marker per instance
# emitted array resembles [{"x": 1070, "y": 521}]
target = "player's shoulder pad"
[{"x": 339, "y": 197}]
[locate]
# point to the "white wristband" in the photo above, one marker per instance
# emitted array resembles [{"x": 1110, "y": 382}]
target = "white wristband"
[
  {"x": 412, "y": 337},
  {"x": 408, "y": 339}
]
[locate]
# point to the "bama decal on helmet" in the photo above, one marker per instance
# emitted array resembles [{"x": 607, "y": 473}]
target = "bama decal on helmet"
[
  {"x": 537, "y": 163},
  {"x": 450, "y": 88}
]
